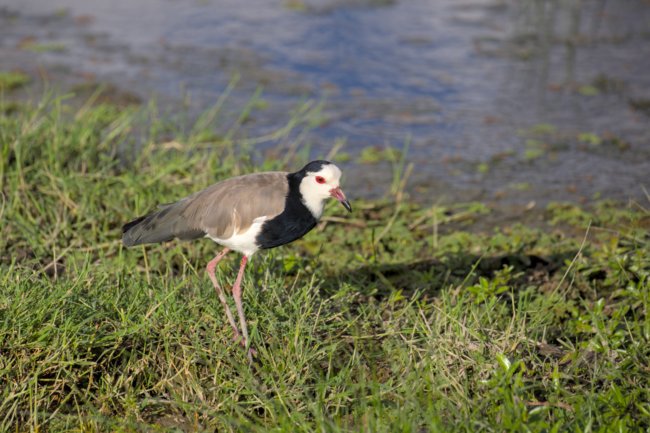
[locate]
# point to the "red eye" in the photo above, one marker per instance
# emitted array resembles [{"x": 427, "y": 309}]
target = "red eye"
[{"x": 320, "y": 179}]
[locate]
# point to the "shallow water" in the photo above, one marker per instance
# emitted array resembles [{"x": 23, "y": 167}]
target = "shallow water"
[{"x": 506, "y": 100}]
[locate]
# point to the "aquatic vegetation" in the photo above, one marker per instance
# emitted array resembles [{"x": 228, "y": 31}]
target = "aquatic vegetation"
[{"x": 12, "y": 80}]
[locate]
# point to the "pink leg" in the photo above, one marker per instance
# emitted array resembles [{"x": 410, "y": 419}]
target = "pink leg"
[
  {"x": 212, "y": 265},
  {"x": 236, "y": 293}
]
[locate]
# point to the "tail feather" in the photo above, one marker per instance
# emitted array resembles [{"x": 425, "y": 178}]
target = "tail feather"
[{"x": 160, "y": 226}]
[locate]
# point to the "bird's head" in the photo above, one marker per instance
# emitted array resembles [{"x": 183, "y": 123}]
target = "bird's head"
[{"x": 321, "y": 180}]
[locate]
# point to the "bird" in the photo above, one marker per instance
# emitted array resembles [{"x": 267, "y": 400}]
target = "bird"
[{"x": 244, "y": 214}]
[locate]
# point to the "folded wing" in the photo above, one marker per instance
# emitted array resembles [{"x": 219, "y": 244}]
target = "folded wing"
[{"x": 220, "y": 210}]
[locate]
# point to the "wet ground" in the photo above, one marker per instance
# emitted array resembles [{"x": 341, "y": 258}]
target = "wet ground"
[{"x": 511, "y": 101}]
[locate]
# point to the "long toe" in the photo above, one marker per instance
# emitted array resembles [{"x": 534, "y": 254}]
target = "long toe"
[{"x": 252, "y": 353}]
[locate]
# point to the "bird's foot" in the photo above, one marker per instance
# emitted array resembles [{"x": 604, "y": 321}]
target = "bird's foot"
[{"x": 252, "y": 353}]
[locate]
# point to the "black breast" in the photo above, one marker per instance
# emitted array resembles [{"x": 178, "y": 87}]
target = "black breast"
[{"x": 293, "y": 223}]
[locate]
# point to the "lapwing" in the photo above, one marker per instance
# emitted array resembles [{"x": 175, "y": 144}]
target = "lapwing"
[{"x": 244, "y": 214}]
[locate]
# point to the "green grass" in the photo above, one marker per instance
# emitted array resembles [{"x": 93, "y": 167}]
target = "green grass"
[
  {"x": 44, "y": 47},
  {"x": 398, "y": 317},
  {"x": 10, "y": 80}
]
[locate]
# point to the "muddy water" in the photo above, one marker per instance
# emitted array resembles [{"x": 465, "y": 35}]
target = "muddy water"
[{"x": 501, "y": 100}]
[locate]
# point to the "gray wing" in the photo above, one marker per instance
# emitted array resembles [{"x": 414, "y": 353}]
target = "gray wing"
[
  {"x": 220, "y": 210},
  {"x": 232, "y": 206}
]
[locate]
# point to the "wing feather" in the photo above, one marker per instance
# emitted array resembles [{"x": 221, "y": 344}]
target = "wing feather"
[
  {"x": 220, "y": 210},
  {"x": 231, "y": 206}
]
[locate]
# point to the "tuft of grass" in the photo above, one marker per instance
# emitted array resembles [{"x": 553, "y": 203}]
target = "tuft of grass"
[
  {"x": 588, "y": 90},
  {"x": 590, "y": 138},
  {"x": 374, "y": 155},
  {"x": 534, "y": 150},
  {"x": 12, "y": 80},
  {"x": 44, "y": 47},
  {"x": 400, "y": 317}
]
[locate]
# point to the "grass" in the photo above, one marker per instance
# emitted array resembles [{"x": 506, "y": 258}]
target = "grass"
[
  {"x": 10, "y": 80},
  {"x": 399, "y": 317}
]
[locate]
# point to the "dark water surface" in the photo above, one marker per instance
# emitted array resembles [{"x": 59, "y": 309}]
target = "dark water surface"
[{"x": 511, "y": 100}]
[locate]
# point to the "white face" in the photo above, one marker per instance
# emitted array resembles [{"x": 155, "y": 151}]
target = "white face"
[{"x": 317, "y": 186}]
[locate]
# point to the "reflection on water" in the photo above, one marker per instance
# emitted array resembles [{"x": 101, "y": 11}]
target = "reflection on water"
[{"x": 499, "y": 99}]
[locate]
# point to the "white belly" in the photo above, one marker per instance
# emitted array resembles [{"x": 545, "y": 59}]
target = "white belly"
[{"x": 243, "y": 242}]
